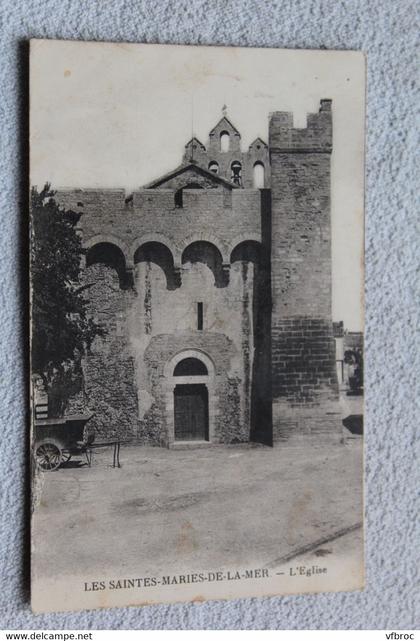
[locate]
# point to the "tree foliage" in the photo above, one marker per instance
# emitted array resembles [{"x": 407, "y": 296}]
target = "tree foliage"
[{"x": 62, "y": 330}]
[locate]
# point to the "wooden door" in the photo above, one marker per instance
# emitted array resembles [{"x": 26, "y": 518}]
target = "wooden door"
[{"x": 191, "y": 413}]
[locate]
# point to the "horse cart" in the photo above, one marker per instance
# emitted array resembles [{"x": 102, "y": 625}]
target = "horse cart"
[{"x": 58, "y": 439}]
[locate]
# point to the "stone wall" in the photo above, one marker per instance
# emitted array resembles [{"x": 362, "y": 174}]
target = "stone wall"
[
  {"x": 304, "y": 380},
  {"x": 152, "y": 213},
  {"x": 230, "y": 425},
  {"x": 175, "y": 265},
  {"x": 163, "y": 323},
  {"x": 154, "y": 319},
  {"x": 108, "y": 369}
]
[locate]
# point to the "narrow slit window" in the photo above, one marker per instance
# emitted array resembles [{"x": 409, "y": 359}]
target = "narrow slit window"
[
  {"x": 200, "y": 316},
  {"x": 178, "y": 198}
]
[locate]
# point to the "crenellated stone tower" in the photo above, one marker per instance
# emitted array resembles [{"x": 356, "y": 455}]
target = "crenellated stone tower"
[{"x": 304, "y": 381}]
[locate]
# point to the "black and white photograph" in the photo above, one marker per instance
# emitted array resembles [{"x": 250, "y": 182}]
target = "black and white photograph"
[{"x": 196, "y": 272}]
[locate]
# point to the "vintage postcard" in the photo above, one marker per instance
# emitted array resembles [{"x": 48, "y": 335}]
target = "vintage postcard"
[{"x": 196, "y": 322}]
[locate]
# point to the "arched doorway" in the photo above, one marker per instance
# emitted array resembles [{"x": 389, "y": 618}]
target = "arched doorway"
[
  {"x": 191, "y": 412},
  {"x": 191, "y": 401}
]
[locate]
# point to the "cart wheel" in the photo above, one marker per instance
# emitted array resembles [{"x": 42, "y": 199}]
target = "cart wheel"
[{"x": 48, "y": 455}]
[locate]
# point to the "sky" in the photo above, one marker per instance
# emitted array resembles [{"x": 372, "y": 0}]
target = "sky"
[{"x": 118, "y": 115}]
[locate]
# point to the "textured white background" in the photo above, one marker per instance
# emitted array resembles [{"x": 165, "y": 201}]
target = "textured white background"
[{"x": 387, "y": 32}]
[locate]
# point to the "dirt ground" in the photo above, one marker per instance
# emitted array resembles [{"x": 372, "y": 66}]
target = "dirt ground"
[{"x": 217, "y": 507}]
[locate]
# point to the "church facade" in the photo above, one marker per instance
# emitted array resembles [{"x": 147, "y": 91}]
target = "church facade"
[{"x": 213, "y": 285}]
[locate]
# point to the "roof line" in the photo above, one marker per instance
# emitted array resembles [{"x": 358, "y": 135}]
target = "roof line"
[
  {"x": 197, "y": 139},
  {"x": 258, "y": 138},
  {"x": 228, "y": 121},
  {"x": 184, "y": 167}
]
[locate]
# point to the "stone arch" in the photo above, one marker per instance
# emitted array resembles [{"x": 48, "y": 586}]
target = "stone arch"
[
  {"x": 206, "y": 253},
  {"x": 102, "y": 250},
  {"x": 247, "y": 251},
  {"x": 199, "y": 354},
  {"x": 190, "y": 366},
  {"x": 112, "y": 240},
  {"x": 243, "y": 238},
  {"x": 154, "y": 251},
  {"x": 207, "y": 237},
  {"x": 156, "y": 237}
]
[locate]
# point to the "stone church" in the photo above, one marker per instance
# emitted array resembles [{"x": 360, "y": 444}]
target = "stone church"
[{"x": 213, "y": 284}]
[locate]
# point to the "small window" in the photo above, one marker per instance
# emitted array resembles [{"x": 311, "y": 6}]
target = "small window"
[
  {"x": 214, "y": 167},
  {"x": 190, "y": 367},
  {"x": 200, "y": 316},
  {"x": 259, "y": 172},
  {"x": 178, "y": 198},
  {"x": 236, "y": 175},
  {"x": 224, "y": 141}
]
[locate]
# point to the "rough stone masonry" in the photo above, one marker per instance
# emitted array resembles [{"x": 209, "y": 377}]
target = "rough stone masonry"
[{"x": 213, "y": 284}]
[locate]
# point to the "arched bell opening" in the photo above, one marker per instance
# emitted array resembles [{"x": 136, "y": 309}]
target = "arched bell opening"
[
  {"x": 259, "y": 175},
  {"x": 205, "y": 252},
  {"x": 236, "y": 173},
  {"x": 224, "y": 141},
  {"x": 159, "y": 254},
  {"x": 111, "y": 256},
  {"x": 214, "y": 167}
]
